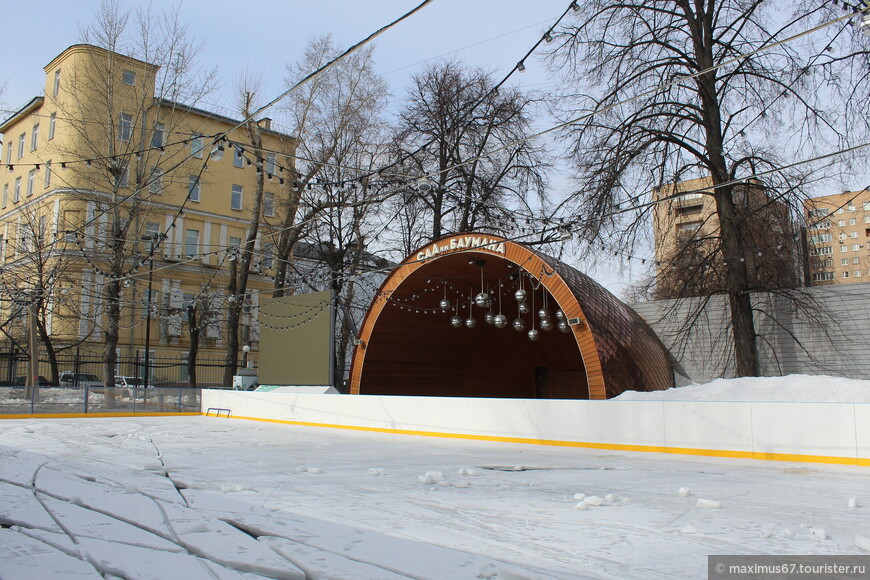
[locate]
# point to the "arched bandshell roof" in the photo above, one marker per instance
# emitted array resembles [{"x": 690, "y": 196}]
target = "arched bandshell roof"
[{"x": 609, "y": 348}]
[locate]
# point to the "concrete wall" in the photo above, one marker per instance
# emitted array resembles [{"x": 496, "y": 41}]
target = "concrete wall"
[
  {"x": 813, "y": 432},
  {"x": 823, "y": 331}
]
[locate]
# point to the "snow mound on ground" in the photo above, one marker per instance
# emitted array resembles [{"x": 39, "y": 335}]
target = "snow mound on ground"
[{"x": 790, "y": 388}]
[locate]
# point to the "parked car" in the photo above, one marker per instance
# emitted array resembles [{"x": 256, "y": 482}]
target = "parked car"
[
  {"x": 71, "y": 379},
  {"x": 20, "y": 381}
]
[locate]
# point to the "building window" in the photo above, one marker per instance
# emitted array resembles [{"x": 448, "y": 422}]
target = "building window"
[
  {"x": 122, "y": 178},
  {"x": 193, "y": 188},
  {"x": 856, "y": 274},
  {"x": 844, "y": 249},
  {"x": 52, "y": 123},
  {"x": 823, "y": 276},
  {"x": 853, "y": 234},
  {"x": 867, "y": 206},
  {"x": 191, "y": 243},
  {"x": 841, "y": 223},
  {"x": 34, "y": 137},
  {"x": 16, "y": 193},
  {"x": 817, "y": 238},
  {"x": 155, "y": 184},
  {"x": 852, "y": 221},
  {"x": 5, "y": 194},
  {"x": 21, "y": 139},
  {"x": 217, "y": 153},
  {"x": 819, "y": 212},
  {"x": 236, "y": 198},
  {"x": 856, "y": 260},
  {"x": 840, "y": 210},
  {"x": 822, "y": 225},
  {"x": 238, "y": 156},
  {"x": 867, "y": 219},
  {"x": 31, "y": 179},
  {"x": 47, "y": 183},
  {"x": 158, "y": 137},
  {"x": 267, "y": 263},
  {"x": 867, "y": 232},
  {"x": 845, "y": 274},
  {"x": 128, "y": 77},
  {"x": 235, "y": 242},
  {"x": 851, "y": 207},
  {"x": 844, "y": 261},
  {"x": 269, "y": 204},
  {"x": 56, "y": 88},
  {"x": 841, "y": 236},
  {"x": 152, "y": 230},
  {"x": 8, "y": 153},
  {"x": 270, "y": 164},
  {"x": 856, "y": 247},
  {"x": 823, "y": 251},
  {"x": 125, "y": 127},
  {"x": 196, "y": 146}
]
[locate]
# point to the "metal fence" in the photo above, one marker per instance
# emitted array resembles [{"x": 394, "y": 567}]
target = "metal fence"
[
  {"x": 67, "y": 400},
  {"x": 162, "y": 372}
]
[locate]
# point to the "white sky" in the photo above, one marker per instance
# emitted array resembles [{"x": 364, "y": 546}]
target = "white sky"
[{"x": 165, "y": 497}]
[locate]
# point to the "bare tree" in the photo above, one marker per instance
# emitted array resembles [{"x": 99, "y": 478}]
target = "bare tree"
[
  {"x": 664, "y": 90},
  {"x": 40, "y": 272},
  {"x": 473, "y": 142},
  {"x": 333, "y": 116},
  {"x": 119, "y": 123},
  {"x": 243, "y": 260}
]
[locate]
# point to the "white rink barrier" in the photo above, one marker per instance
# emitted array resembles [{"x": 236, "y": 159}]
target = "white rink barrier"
[{"x": 806, "y": 432}]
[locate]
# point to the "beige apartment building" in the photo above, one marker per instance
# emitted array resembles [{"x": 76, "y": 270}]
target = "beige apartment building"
[
  {"x": 106, "y": 145},
  {"x": 838, "y": 238},
  {"x": 687, "y": 242}
]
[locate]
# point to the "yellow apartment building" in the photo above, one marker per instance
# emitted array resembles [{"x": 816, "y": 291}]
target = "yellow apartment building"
[
  {"x": 838, "y": 238},
  {"x": 107, "y": 145},
  {"x": 686, "y": 237}
]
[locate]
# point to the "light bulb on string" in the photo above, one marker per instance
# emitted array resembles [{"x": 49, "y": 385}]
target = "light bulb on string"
[
  {"x": 470, "y": 322},
  {"x": 533, "y": 334},
  {"x": 500, "y": 320}
]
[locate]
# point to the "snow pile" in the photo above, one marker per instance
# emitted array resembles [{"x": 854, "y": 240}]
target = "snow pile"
[{"x": 790, "y": 388}]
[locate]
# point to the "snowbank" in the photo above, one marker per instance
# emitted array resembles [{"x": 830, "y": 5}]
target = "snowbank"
[{"x": 790, "y": 388}]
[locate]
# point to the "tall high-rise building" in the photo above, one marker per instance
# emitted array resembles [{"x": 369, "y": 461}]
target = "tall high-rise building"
[
  {"x": 688, "y": 246},
  {"x": 838, "y": 238}
]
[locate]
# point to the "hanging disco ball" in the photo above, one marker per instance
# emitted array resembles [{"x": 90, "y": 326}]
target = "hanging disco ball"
[
  {"x": 470, "y": 322},
  {"x": 546, "y": 324},
  {"x": 489, "y": 318},
  {"x": 500, "y": 321},
  {"x": 519, "y": 324},
  {"x": 563, "y": 326},
  {"x": 523, "y": 308},
  {"x": 521, "y": 295},
  {"x": 483, "y": 300},
  {"x": 533, "y": 335},
  {"x": 444, "y": 304},
  {"x": 455, "y": 321},
  {"x": 560, "y": 315}
]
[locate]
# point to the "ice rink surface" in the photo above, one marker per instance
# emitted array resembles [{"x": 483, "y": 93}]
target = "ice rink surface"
[{"x": 197, "y": 497}]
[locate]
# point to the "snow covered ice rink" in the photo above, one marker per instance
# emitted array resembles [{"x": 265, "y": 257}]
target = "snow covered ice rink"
[{"x": 196, "y": 497}]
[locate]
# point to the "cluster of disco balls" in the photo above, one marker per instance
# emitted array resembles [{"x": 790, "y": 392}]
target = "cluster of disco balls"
[{"x": 484, "y": 300}]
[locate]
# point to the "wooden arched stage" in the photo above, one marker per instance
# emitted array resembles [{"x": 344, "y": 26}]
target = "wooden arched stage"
[{"x": 407, "y": 345}]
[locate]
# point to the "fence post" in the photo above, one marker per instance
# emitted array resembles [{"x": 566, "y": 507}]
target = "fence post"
[
  {"x": 87, "y": 390},
  {"x": 179, "y": 399},
  {"x": 33, "y": 398}
]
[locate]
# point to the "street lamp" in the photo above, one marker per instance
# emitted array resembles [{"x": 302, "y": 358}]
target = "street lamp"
[
  {"x": 151, "y": 238},
  {"x": 245, "y": 349}
]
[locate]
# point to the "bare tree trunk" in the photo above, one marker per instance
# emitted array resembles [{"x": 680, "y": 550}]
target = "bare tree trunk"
[{"x": 194, "y": 345}]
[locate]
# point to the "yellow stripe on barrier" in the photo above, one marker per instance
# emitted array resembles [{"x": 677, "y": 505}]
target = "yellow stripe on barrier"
[{"x": 793, "y": 457}]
